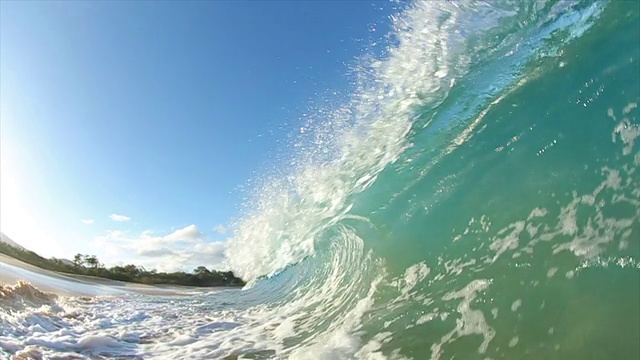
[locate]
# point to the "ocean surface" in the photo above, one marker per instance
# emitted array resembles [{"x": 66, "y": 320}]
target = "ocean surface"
[{"x": 477, "y": 196}]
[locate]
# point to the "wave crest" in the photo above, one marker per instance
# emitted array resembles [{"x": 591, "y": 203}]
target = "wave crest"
[
  {"x": 23, "y": 294},
  {"x": 432, "y": 45}
]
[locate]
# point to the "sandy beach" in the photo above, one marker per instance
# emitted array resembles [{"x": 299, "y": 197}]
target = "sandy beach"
[{"x": 13, "y": 270}]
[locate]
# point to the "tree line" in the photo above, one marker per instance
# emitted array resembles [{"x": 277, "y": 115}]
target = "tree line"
[{"x": 90, "y": 265}]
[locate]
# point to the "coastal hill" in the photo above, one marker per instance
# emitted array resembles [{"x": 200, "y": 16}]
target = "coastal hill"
[
  {"x": 5, "y": 239},
  {"x": 90, "y": 265}
]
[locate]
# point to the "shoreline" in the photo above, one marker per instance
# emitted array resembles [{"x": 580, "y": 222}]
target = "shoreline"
[{"x": 12, "y": 270}]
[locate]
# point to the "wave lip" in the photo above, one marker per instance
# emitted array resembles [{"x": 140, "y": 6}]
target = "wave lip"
[{"x": 431, "y": 47}]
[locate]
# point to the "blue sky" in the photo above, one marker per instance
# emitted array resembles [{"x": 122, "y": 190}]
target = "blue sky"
[{"x": 129, "y": 128}]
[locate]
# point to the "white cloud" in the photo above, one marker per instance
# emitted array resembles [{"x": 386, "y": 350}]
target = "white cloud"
[
  {"x": 88, "y": 221},
  {"x": 187, "y": 233},
  {"x": 118, "y": 217},
  {"x": 221, "y": 229},
  {"x": 182, "y": 249}
]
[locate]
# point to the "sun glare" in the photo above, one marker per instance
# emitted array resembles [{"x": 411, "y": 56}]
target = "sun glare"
[{"x": 17, "y": 218}]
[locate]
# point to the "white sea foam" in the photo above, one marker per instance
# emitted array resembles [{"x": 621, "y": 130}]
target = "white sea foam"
[
  {"x": 471, "y": 321},
  {"x": 192, "y": 325}
]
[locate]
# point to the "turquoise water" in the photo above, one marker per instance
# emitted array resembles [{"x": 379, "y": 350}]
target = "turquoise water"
[
  {"x": 504, "y": 223},
  {"x": 477, "y": 197}
]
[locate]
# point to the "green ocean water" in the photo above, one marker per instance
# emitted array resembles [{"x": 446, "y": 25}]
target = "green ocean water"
[
  {"x": 508, "y": 225},
  {"x": 529, "y": 228},
  {"x": 541, "y": 205}
]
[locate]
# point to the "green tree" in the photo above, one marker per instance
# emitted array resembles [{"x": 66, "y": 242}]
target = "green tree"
[
  {"x": 78, "y": 260},
  {"x": 132, "y": 270},
  {"x": 201, "y": 270},
  {"x": 91, "y": 260},
  {"x": 201, "y": 276}
]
